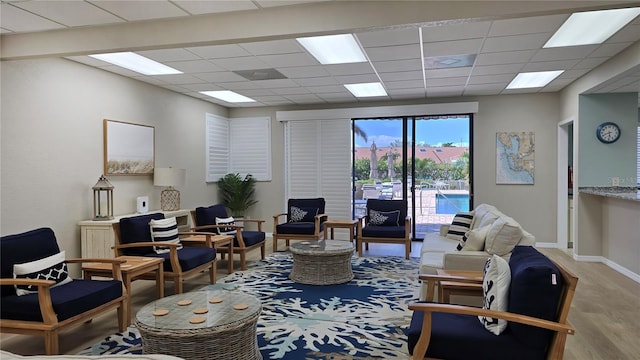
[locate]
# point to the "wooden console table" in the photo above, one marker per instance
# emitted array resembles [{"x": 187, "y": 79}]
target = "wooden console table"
[{"x": 97, "y": 237}]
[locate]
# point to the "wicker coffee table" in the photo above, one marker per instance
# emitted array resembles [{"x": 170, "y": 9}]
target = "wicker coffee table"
[
  {"x": 323, "y": 262},
  {"x": 226, "y": 331}
]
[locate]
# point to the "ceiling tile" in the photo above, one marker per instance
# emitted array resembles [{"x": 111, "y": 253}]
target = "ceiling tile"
[
  {"x": 69, "y": 13},
  {"x": 497, "y": 69},
  {"x": 445, "y": 91},
  {"x": 404, "y": 84},
  {"x": 389, "y": 37},
  {"x": 219, "y": 51},
  {"x": 193, "y": 66},
  {"x": 609, "y": 49},
  {"x": 401, "y": 75},
  {"x": 449, "y": 81},
  {"x": 350, "y": 69},
  {"x": 291, "y": 91},
  {"x": 513, "y": 43},
  {"x": 565, "y": 53},
  {"x": 491, "y": 79},
  {"x": 168, "y": 55},
  {"x": 440, "y": 73},
  {"x": 590, "y": 63},
  {"x": 18, "y": 20},
  {"x": 326, "y": 89},
  {"x": 629, "y": 33},
  {"x": 530, "y": 25},
  {"x": 454, "y": 47},
  {"x": 509, "y": 57},
  {"x": 398, "y": 65},
  {"x": 549, "y": 65},
  {"x": 400, "y": 52},
  {"x": 197, "y": 7},
  {"x": 317, "y": 81},
  {"x": 240, "y": 85},
  {"x": 271, "y": 3},
  {"x": 277, "y": 83},
  {"x": 132, "y": 10},
  {"x": 274, "y": 47},
  {"x": 356, "y": 79},
  {"x": 220, "y": 77},
  {"x": 179, "y": 79},
  {"x": 288, "y": 60},
  {"x": 304, "y": 72},
  {"x": 241, "y": 63},
  {"x": 450, "y": 32}
]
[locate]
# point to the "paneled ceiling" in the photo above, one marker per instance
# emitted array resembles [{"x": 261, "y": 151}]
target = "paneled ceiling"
[{"x": 411, "y": 61}]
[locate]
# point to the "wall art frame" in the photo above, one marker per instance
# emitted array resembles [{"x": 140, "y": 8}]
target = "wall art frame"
[{"x": 129, "y": 149}]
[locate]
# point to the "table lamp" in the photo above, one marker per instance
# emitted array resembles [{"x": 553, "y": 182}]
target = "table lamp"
[{"x": 170, "y": 177}]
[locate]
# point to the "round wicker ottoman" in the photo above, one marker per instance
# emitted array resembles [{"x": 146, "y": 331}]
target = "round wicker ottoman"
[
  {"x": 227, "y": 330},
  {"x": 324, "y": 262}
]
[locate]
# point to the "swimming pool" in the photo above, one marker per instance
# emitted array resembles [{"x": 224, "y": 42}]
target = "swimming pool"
[{"x": 451, "y": 203}]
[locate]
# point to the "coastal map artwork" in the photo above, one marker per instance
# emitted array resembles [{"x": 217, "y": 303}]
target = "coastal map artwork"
[{"x": 515, "y": 157}]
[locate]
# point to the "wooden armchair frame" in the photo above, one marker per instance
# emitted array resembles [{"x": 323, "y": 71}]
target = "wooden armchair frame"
[
  {"x": 561, "y": 327},
  {"x": 177, "y": 275},
  {"x": 288, "y": 237},
  {"x": 50, "y": 327},
  {"x": 242, "y": 248},
  {"x": 365, "y": 240}
]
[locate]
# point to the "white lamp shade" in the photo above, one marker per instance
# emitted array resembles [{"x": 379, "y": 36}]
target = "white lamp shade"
[{"x": 169, "y": 177}]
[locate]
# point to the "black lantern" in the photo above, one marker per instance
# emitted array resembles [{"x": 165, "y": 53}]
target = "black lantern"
[{"x": 103, "y": 199}]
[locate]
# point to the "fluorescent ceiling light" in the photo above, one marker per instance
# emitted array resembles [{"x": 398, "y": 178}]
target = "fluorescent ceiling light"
[
  {"x": 366, "y": 89},
  {"x": 593, "y": 27},
  {"x": 228, "y": 96},
  {"x": 533, "y": 79},
  {"x": 137, "y": 63},
  {"x": 334, "y": 49}
]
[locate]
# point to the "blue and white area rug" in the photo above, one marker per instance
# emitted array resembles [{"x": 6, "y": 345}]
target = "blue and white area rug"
[{"x": 365, "y": 318}]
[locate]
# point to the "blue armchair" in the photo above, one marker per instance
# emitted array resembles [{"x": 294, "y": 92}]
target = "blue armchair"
[
  {"x": 386, "y": 222},
  {"x": 133, "y": 237},
  {"x": 304, "y": 219},
  {"x": 539, "y": 298},
  {"x": 204, "y": 219},
  {"x": 43, "y": 299}
]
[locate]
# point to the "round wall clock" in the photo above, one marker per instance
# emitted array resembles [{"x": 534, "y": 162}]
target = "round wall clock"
[{"x": 608, "y": 132}]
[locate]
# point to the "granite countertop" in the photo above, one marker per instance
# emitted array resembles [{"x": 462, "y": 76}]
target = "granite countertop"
[{"x": 618, "y": 192}]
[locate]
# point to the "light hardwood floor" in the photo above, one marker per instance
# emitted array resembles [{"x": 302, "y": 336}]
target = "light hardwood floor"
[{"x": 605, "y": 311}]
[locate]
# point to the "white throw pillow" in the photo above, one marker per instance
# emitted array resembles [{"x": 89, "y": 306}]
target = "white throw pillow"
[
  {"x": 230, "y": 221},
  {"x": 164, "y": 230},
  {"x": 495, "y": 289},
  {"x": 474, "y": 239},
  {"x": 503, "y": 236},
  {"x": 460, "y": 225},
  {"x": 53, "y": 268}
]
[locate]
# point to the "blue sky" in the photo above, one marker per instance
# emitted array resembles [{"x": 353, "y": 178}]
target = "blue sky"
[{"x": 429, "y": 132}]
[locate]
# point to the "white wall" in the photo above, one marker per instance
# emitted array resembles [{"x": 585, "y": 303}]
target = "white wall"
[{"x": 52, "y": 144}]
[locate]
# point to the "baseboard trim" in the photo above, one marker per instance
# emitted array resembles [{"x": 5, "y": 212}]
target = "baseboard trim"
[
  {"x": 547, "y": 245},
  {"x": 612, "y": 264}
]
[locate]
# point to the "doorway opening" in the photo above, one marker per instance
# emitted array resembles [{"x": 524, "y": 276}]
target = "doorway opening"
[{"x": 424, "y": 159}]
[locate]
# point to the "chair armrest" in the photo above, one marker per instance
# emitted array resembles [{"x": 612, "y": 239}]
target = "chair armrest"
[
  {"x": 147, "y": 244},
  {"x": 462, "y": 279},
  {"x": 116, "y": 270},
  {"x": 475, "y": 311},
  {"x": 44, "y": 296},
  {"x": 259, "y": 222},
  {"x": 205, "y": 227},
  {"x": 422, "y": 345},
  {"x": 444, "y": 229}
]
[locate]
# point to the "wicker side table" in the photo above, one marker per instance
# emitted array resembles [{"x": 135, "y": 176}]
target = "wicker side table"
[
  {"x": 226, "y": 332},
  {"x": 324, "y": 262}
]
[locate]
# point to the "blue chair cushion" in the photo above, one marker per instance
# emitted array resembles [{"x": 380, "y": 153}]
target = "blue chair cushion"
[
  {"x": 383, "y": 231},
  {"x": 535, "y": 290},
  {"x": 22, "y": 248},
  {"x": 463, "y": 337},
  {"x": 297, "y": 228},
  {"x": 68, "y": 300},
  {"x": 136, "y": 229},
  {"x": 207, "y": 215},
  {"x": 251, "y": 238},
  {"x": 188, "y": 257}
]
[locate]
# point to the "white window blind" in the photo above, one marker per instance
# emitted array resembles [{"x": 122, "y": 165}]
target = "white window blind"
[
  {"x": 251, "y": 147},
  {"x": 240, "y": 145},
  {"x": 318, "y": 163},
  {"x": 217, "y": 147}
]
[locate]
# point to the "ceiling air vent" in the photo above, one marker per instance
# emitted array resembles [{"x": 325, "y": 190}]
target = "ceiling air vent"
[{"x": 260, "y": 74}]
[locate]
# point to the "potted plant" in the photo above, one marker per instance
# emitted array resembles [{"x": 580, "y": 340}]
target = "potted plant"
[{"x": 237, "y": 193}]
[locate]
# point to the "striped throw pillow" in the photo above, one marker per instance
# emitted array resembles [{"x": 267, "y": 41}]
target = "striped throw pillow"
[
  {"x": 460, "y": 225},
  {"x": 164, "y": 230}
]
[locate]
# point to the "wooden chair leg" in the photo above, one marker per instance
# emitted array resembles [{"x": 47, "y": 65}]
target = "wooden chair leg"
[
  {"x": 212, "y": 271},
  {"x": 51, "y": 343},
  {"x": 178, "y": 284},
  {"x": 243, "y": 260},
  {"x": 262, "y": 251},
  {"x": 123, "y": 315},
  {"x": 275, "y": 244}
]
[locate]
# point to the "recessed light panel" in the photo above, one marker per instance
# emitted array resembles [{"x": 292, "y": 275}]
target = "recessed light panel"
[
  {"x": 228, "y": 96},
  {"x": 533, "y": 79},
  {"x": 366, "y": 89},
  {"x": 593, "y": 27},
  {"x": 334, "y": 49},
  {"x": 137, "y": 63}
]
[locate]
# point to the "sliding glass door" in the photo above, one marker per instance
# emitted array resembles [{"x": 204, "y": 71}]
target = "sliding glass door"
[{"x": 426, "y": 160}]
